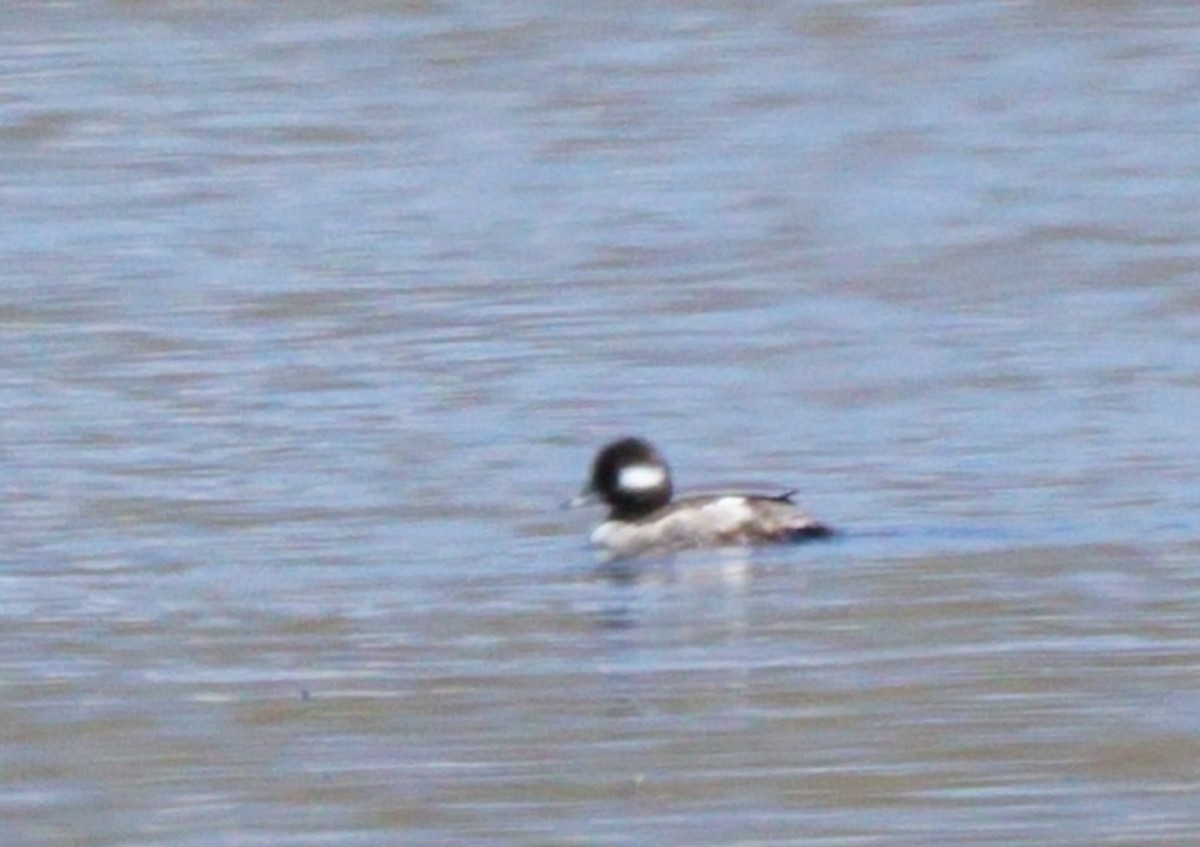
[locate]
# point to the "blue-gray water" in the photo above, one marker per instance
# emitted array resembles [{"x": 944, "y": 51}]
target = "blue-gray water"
[{"x": 311, "y": 315}]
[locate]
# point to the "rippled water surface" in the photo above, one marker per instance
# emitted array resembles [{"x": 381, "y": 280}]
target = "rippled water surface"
[{"x": 311, "y": 315}]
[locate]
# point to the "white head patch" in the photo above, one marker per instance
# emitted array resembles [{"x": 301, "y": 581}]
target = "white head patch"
[{"x": 641, "y": 477}]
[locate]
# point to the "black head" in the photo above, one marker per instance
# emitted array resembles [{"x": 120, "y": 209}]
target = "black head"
[{"x": 631, "y": 477}]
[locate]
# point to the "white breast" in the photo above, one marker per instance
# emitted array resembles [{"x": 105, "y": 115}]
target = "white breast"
[{"x": 715, "y": 522}]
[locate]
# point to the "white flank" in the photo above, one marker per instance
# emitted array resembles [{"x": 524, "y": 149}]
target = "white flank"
[
  {"x": 641, "y": 477},
  {"x": 728, "y": 514}
]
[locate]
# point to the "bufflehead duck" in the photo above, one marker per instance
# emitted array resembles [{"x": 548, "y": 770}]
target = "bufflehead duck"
[{"x": 632, "y": 477}]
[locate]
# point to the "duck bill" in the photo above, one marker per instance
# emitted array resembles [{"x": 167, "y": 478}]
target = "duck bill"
[{"x": 586, "y": 497}]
